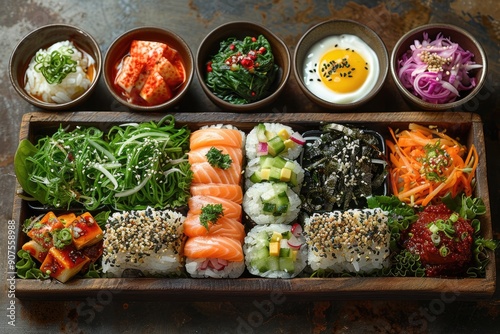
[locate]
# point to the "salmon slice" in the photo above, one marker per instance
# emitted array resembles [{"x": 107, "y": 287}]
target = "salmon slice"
[
  {"x": 214, "y": 137},
  {"x": 232, "y": 192},
  {"x": 203, "y": 172},
  {"x": 230, "y": 209},
  {"x": 226, "y": 227},
  {"x": 214, "y": 247},
  {"x": 200, "y": 154}
]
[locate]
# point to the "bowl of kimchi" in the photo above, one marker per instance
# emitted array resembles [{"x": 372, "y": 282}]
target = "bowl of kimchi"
[{"x": 148, "y": 69}]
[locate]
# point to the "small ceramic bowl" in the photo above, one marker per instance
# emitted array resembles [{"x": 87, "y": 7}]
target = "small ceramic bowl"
[
  {"x": 42, "y": 38},
  {"x": 456, "y": 35},
  {"x": 210, "y": 46},
  {"x": 333, "y": 28},
  {"x": 120, "y": 47}
]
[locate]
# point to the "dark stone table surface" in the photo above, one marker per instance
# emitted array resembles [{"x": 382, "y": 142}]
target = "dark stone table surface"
[{"x": 105, "y": 20}]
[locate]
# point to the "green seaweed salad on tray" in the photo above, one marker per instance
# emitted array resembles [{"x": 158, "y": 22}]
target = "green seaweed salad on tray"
[
  {"x": 130, "y": 167},
  {"x": 243, "y": 71}
]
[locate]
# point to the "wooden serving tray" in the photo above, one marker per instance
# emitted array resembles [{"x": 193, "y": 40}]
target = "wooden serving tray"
[{"x": 468, "y": 127}]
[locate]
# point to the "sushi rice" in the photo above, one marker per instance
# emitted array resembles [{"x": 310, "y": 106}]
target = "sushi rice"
[
  {"x": 254, "y": 207},
  {"x": 354, "y": 241},
  {"x": 256, "y": 249},
  {"x": 72, "y": 86},
  {"x": 230, "y": 270},
  {"x": 147, "y": 240}
]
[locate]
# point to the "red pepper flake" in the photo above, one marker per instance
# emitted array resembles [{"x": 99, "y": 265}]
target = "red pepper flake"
[
  {"x": 209, "y": 66},
  {"x": 254, "y": 39},
  {"x": 253, "y": 93},
  {"x": 231, "y": 47},
  {"x": 262, "y": 50}
]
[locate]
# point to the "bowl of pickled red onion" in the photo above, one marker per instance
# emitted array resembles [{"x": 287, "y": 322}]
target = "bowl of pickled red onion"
[{"x": 438, "y": 67}]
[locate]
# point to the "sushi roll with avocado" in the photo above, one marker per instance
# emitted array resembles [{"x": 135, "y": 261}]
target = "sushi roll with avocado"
[
  {"x": 148, "y": 242},
  {"x": 353, "y": 241},
  {"x": 271, "y": 203},
  {"x": 275, "y": 251},
  {"x": 273, "y": 139},
  {"x": 274, "y": 169}
]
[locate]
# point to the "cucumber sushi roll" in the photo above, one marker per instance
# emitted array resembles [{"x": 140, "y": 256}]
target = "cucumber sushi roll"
[
  {"x": 274, "y": 169},
  {"x": 275, "y": 251},
  {"x": 271, "y": 203},
  {"x": 354, "y": 241},
  {"x": 273, "y": 139}
]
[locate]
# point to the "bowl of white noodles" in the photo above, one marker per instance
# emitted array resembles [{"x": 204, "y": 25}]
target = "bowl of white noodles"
[{"x": 56, "y": 67}]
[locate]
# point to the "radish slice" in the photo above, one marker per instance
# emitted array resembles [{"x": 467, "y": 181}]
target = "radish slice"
[
  {"x": 222, "y": 262},
  {"x": 204, "y": 265},
  {"x": 296, "y": 230},
  {"x": 297, "y": 138},
  {"x": 262, "y": 148},
  {"x": 214, "y": 263},
  {"x": 294, "y": 242}
]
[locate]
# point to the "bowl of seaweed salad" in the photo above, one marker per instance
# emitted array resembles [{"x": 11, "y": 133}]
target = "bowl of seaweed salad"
[{"x": 343, "y": 166}]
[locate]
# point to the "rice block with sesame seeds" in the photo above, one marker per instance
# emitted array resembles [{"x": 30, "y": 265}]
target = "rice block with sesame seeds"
[
  {"x": 354, "y": 241},
  {"x": 149, "y": 240}
]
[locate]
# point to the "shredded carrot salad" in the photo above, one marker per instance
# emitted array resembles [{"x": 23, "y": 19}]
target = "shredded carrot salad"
[{"x": 427, "y": 164}]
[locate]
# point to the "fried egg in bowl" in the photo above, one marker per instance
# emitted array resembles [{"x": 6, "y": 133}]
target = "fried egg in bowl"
[{"x": 341, "y": 69}]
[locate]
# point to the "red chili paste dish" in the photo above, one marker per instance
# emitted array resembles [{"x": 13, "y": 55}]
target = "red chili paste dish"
[{"x": 442, "y": 239}]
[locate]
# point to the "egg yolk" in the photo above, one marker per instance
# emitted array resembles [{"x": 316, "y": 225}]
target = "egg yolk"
[{"x": 343, "y": 70}]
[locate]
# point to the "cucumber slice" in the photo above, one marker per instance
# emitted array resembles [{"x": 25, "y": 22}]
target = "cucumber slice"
[
  {"x": 285, "y": 252},
  {"x": 262, "y": 264},
  {"x": 275, "y": 146},
  {"x": 256, "y": 177},
  {"x": 280, "y": 162},
  {"x": 266, "y": 161},
  {"x": 268, "y": 207},
  {"x": 261, "y": 133},
  {"x": 293, "y": 179},
  {"x": 261, "y": 253},
  {"x": 273, "y": 263},
  {"x": 286, "y": 264},
  {"x": 275, "y": 174},
  {"x": 289, "y": 164},
  {"x": 280, "y": 187}
]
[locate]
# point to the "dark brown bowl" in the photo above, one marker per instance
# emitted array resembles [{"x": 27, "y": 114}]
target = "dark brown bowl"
[
  {"x": 211, "y": 44},
  {"x": 457, "y": 35},
  {"x": 42, "y": 38},
  {"x": 121, "y": 46},
  {"x": 339, "y": 27}
]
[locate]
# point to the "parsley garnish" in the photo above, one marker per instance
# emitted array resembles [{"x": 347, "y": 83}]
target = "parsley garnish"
[
  {"x": 217, "y": 159},
  {"x": 210, "y": 213}
]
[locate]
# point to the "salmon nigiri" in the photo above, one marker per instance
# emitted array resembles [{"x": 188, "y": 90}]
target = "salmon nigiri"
[
  {"x": 200, "y": 154},
  {"x": 230, "y": 209},
  {"x": 214, "y": 137},
  {"x": 214, "y": 247},
  {"x": 226, "y": 227},
  {"x": 232, "y": 192},
  {"x": 203, "y": 172}
]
